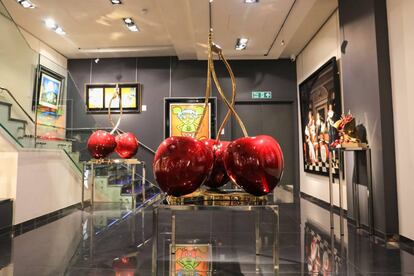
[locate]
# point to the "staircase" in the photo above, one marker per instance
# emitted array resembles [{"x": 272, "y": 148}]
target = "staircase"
[{"x": 23, "y": 131}]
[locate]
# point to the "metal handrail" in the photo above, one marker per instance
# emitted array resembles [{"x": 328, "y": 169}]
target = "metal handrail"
[{"x": 21, "y": 107}]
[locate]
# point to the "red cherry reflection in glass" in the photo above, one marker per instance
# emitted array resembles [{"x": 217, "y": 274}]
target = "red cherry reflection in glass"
[
  {"x": 218, "y": 176},
  {"x": 255, "y": 163},
  {"x": 126, "y": 145},
  {"x": 181, "y": 165},
  {"x": 101, "y": 144}
]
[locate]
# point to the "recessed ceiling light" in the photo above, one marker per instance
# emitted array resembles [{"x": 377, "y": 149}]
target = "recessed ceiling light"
[
  {"x": 241, "y": 43},
  {"x": 129, "y": 22},
  {"x": 50, "y": 23},
  {"x": 251, "y": 1},
  {"x": 116, "y": 2},
  {"x": 26, "y": 4},
  {"x": 60, "y": 31}
]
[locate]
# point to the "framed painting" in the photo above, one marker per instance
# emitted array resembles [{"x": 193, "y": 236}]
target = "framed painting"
[
  {"x": 191, "y": 259},
  {"x": 183, "y": 116},
  {"x": 320, "y": 107},
  {"x": 98, "y": 97},
  {"x": 49, "y": 88}
]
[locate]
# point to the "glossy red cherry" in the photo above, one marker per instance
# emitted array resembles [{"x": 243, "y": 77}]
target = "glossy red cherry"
[
  {"x": 218, "y": 176},
  {"x": 181, "y": 165},
  {"x": 101, "y": 144},
  {"x": 255, "y": 163},
  {"x": 126, "y": 145}
]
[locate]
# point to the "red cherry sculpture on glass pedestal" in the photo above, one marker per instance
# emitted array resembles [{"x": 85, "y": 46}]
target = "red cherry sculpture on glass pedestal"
[
  {"x": 218, "y": 176},
  {"x": 101, "y": 144},
  {"x": 255, "y": 163},
  {"x": 126, "y": 145},
  {"x": 181, "y": 165}
]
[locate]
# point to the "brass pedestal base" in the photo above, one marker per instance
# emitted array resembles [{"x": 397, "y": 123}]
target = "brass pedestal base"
[{"x": 217, "y": 198}]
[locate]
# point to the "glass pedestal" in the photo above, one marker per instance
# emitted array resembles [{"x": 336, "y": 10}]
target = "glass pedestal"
[{"x": 215, "y": 240}]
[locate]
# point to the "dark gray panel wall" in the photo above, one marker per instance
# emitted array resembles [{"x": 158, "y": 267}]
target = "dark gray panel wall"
[
  {"x": 367, "y": 93},
  {"x": 163, "y": 77}
]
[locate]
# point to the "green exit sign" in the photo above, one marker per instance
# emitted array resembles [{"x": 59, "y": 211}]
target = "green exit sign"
[{"x": 261, "y": 94}]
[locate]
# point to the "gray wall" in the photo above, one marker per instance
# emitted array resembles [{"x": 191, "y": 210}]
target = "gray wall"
[
  {"x": 367, "y": 94},
  {"x": 164, "y": 77}
]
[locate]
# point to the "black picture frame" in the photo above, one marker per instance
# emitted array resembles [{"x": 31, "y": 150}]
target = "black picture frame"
[
  {"x": 104, "y": 87},
  {"x": 320, "y": 106},
  {"x": 190, "y": 100},
  {"x": 43, "y": 72}
]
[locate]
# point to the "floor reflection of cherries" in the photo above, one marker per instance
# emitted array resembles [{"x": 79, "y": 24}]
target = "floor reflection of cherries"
[
  {"x": 218, "y": 176},
  {"x": 181, "y": 165},
  {"x": 101, "y": 144}
]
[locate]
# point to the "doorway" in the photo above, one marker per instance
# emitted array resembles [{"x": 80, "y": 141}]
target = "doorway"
[{"x": 276, "y": 119}]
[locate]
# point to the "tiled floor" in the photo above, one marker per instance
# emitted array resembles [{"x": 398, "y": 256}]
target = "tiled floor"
[{"x": 114, "y": 241}]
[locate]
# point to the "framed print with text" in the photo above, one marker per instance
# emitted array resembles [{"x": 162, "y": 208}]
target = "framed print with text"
[
  {"x": 98, "y": 97},
  {"x": 183, "y": 115}
]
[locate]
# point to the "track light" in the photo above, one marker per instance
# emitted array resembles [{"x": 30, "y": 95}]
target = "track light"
[
  {"x": 26, "y": 4},
  {"x": 241, "y": 43}
]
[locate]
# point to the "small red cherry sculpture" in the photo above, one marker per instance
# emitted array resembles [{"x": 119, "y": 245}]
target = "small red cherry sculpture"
[
  {"x": 101, "y": 144},
  {"x": 218, "y": 176},
  {"x": 181, "y": 165},
  {"x": 126, "y": 145},
  {"x": 255, "y": 163}
]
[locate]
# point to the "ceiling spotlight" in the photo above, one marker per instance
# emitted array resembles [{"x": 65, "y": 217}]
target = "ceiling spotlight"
[
  {"x": 241, "y": 44},
  {"x": 116, "y": 2},
  {"x": 60, "y": 31},
  {"x": 50, "y": 23},
  {"x": 26, "y": 4},
  {"x": 130, "y": 24},
  {"x": 96, "y": 60},
  {"x": 282, "y": 43},
  {"x": 251, "y": 1}
]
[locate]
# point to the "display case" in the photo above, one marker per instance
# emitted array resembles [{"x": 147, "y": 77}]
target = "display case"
[{"x": 210, "y": 240}]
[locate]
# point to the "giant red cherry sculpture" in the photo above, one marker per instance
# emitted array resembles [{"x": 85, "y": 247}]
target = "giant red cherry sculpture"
[
  {"x": 181, "y": 165},
  {"x": 255, "y": 163},
  {"x": 101, "y": 144},
  {"x": 218, "y": 176},
  {"x": 126, "y": 145}
]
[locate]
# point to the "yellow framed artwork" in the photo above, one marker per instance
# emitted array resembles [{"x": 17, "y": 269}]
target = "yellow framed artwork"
[
  {"x": 183, "y": 116},
  {"x": 98, "y": 97},
  {"x": 191, "y": 259}
]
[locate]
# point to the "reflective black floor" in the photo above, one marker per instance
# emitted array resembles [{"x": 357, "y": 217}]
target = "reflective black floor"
[{"x": 115, "y": 241}]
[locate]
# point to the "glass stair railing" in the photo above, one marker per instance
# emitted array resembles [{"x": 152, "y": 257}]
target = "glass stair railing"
[{"x": 19, "y": 126}]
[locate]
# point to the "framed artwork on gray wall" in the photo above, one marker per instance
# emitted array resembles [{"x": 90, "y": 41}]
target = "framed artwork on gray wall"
[
  {"x": 183, "y": 115},
  {"x": 320, "y": 108},
  {"x": 98, "y": 97},
  {"x": 48, "y": 90}
]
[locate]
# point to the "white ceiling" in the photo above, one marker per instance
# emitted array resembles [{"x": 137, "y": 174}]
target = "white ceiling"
[{"x": 174, "y": 27}]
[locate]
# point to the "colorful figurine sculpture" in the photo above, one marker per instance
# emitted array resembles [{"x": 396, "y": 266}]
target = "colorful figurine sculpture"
[
  {"x": 255, "y": 163},
  {"x": 101, "y": 144},
  {"x": 181, "y": 165},
  {"x": 218, "y": 176},
  {"x": 126, "y": 145}
]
